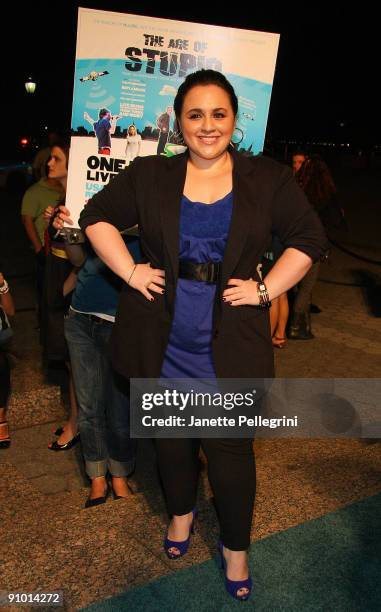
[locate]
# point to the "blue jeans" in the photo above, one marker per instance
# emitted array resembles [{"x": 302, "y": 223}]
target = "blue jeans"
[{"x": 103, "y": 405}]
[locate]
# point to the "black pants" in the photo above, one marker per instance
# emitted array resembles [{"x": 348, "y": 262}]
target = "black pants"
[
  {"x": 5, "y": 379},
  {"x": 231, "y": 471}
]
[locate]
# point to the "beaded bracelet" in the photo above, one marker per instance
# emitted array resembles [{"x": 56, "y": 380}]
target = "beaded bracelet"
[
  {"x": 263, "y": 295},
  {"x": 133, "y": 270}
]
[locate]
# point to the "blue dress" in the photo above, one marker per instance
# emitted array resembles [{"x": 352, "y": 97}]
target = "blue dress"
[{"x": 203, "y": 234}]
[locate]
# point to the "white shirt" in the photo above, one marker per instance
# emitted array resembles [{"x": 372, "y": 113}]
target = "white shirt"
[{"x": 133, "y": 145}]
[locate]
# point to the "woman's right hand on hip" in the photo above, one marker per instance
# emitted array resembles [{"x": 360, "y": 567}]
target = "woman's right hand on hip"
[{"x": 146, "y": 279}]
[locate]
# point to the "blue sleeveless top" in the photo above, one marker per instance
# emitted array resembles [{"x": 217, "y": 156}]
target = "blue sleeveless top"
[{"x": 203, "y": 234}]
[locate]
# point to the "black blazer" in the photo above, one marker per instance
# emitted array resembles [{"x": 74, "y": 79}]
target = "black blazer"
[{"x": 266, "y": 200}]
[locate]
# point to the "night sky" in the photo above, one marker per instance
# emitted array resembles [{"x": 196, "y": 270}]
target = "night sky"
[{"x": 325, "y": 81}]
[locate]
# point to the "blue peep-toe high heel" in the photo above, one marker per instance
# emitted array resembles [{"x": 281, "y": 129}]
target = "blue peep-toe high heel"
[
  {"x": 183, "y": 546},
  {"x": 233, "y": 586}
]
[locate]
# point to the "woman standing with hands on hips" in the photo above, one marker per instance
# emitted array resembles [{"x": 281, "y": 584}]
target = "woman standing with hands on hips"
[{"x": 204, "y": 215}]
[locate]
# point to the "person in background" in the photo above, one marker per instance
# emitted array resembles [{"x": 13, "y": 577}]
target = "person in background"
[
  {"x": 133, "y": 144},
  {"x": 198, "y": 308},
  {"x": 60, "y": 279},
  {"x": 103, "y": 406},
  {"x": 39, "y": 164},
  {"x": 279, "y": 309},
  {"x": 7, "y": 309},
  {"x": 47, "y": 192},
  {"x": 298, "y": 159},
  {"x": 315, "y": 179}
]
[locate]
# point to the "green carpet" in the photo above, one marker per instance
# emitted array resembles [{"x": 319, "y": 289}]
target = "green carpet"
[{"x": 330, "y": 564}]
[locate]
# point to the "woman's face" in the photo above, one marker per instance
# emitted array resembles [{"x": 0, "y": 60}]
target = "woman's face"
[
  {"x": 57, "y": 164},
  {"x": 297, "y": 162},
  {"x": 207, "y": 121},
  {"x": 132, "y": 131}
]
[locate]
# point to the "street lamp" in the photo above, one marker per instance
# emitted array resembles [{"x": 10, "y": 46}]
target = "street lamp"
[{"x": 30, "y": 86}]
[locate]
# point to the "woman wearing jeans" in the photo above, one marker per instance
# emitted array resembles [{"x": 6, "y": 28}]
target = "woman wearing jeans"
[{"x": 103, "y": 407}]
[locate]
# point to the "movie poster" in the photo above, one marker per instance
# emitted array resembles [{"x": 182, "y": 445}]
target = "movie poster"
[{"x": 127, "y": 71}]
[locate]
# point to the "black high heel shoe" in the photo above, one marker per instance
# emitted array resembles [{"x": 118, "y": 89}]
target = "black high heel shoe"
[
  {"x": 61, "y": 447},
  {"x": 183, "y": 546},
  {"x": 97, "y": 501}
]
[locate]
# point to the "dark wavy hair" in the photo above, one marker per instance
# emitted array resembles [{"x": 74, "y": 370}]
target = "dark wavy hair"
[
  {"x": 315, "y": 178},
  {"x": 204, "y": 77}
]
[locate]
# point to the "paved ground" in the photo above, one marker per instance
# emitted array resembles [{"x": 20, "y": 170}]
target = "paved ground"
[{"x": 52, "y": 542}]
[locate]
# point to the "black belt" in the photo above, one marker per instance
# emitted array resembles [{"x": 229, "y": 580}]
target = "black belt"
[
  {"x": 93, "y": 317},
  {"x": 205, "y": 272}
]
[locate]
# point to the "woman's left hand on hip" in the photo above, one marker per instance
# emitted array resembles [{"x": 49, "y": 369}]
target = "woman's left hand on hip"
[{"x": 241, "y": 292}]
